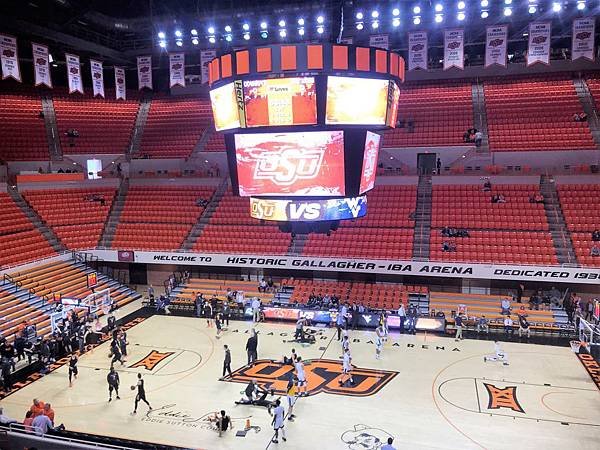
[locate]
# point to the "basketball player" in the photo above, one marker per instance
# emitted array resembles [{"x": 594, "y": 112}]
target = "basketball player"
[
  {"x": 116, "y": 352},
  {"x": 72, "y": 368},
  {"x": 379, "y": 341},
  {"x": 113, "y": 383},
  {"x": 291, "y": 396},
  {"x": 208, "y": 313},
  {"x": 123, "y": 343},
  {"x": 499, "y": 356},
  {"x": 218, "y": 325},
  {"x": 346, "y": 368},
  {"x": 278, "y": 424},
  {"x": 345, "y": 344},
  {"x": 299, "y": 365},
  {"x": 141, "y": 394}
]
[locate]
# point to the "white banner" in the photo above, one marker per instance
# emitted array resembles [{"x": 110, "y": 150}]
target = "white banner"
[
  {"x": 144, "y": 69},
  {"x": 379, "y": 40},
  {"x": 539, "y": 43},
  {"x": 206, "y": 56},
  {"x": 495, "y": 45},
  {"x": 41, "y": 66},
  {"x": 176, "y": 69},
  {"x": 97, "y": 77},
  {"x": 120, "y": 90},
  {"x": 427, "y": 269},
  {"x": 9, "y": 57},
  {"x": 454, "y": 48},
  {"x": 417, "y": 50},
  {"x": 74, "y": 74},
  {"x": 583, "y": 38}
]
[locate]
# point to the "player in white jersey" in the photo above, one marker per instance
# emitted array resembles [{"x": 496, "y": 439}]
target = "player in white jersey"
[
  {"x": 278, "y": 422},
  {"x": 299, "y": 365},
  {"x": 379, "y": 341},
  {"x": 500, "y": 355},
  {"x": 345, "y": 344},
  {"x": 346, "y": 368}
]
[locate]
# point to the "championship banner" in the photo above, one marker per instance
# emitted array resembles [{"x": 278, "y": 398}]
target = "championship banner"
[
  {"x": 41, "y": 67},
  {"x": 539, "y": 43},
  {"x": 417, "y": 50},
  {"x": 176, "y": 69},
  {"x": 495, "y": 45},
  {"x": 379, "y": 40},
  {"x": 120, "y": 90},
  {"x": 583, "y": 38},
  {"x": 206, "y": 56},
  {"x": 9, "y": 58},
  {"x": 144, "y": 69},
  {"x": 454, "y": 48},
  {"x": 97, "y": 77},
  {"x": 74, "y": 74}
]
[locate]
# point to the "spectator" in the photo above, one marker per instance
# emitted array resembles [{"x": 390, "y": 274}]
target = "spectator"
[
  {"x": 595, "y": 250},
  {"x": 255, "y": 309},
  {"x": 439, "y": 166},
  {"x": 458, "y": 324},
  {"x": 478, "y": 138},
  {"x": 262, "y": 286},
  {"x": 501, "y": 198},
  {"x": 28, "y": 421},
  {"x": 524, "y": 326},
  {"x": 576, "y": 117},
  {"x": 596, "y": 235},
  {"x": 448, "y": 247},
  {"x": 536, "y": 198},
  {"x": 48, "y": 411},
  {"x": 487, "y": 185},
  {"x": 520, "y": 290},
  {"x": 37, "y": 407},
  {"x": 41, "y": 424},
  {"x": 508, "y": 325},
  {"x": 505, "y": 306},
  {"x": 482, "y": 325},
  {"x": 389, "y": 445},
  {"x": 5, "y": 420},
  {"x": 402, "y": 317}
]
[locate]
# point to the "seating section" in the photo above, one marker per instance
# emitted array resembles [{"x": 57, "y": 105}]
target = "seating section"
[
  {"x": 581, "y": 207},
  {"x": 594, "y": 86},
  {"x": 511, "y": 232},
  {"x": 478, "y": 305},
  {"x": 19, "y": 240},
  {"x": 174, "y": 126},
  {"x": 77, "y": 216},
  {"x": 216, "y": 143},
  {"x": 374, "y": 296},
  {"x": 104, "y": 125},
  {"x": 232, "y": 230},
  {"x": 68, "y": 279},
  {"x": 441, "y": 113},
  {"x": 185, "y": 295},
  {"x": 535, "y": 113},
  {"x": 159, "y": 217},
  {"x": 385, "y": 233},
  {"x": 14, "y": 309},
  {"x": 22, "y": 129}
]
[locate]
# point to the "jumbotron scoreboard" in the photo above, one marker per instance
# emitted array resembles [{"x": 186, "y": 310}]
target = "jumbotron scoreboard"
[{"x": 302, "y": 126}]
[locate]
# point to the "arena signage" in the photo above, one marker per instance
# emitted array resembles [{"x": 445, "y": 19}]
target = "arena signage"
[{"x": 551, "y": 274}]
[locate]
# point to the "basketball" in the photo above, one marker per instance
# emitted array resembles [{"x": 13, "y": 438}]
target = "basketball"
[{"x": 133, "y": 388}]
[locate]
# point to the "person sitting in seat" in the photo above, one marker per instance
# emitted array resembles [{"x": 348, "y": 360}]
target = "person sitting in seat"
[
  {"x": 524, "y": 326},
  {"x": 505, "y": 306},
  {"x": 482, "y": 325},
  {"x": 595, "y": 251},
  {"x": 596, "y": 235},
  {"x": 487, "y": 185}
]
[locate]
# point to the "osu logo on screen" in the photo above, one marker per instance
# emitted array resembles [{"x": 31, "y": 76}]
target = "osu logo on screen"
[
  {"x": 263, "y": 209},
  {"x": 286, "y": 166},
  {"x": 321, "y": 375}
]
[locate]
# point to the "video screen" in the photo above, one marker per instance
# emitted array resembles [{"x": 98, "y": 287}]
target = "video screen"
[
  {"x": 308, "y": 210},
  {"x": 369, "y": 165},
  {"x": 393, "y": 100},
  {"x": 291, "y": 164},
  {"x": 281, "y": 101},
  {"x": 356, "y": 101},
  {"x": 225, "y": 108}
]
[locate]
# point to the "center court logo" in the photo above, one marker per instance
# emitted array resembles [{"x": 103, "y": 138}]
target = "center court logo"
[
  {"x": 288, "y": 165},
  {"x": 503, "y": 398},
  {"x": 151, "y": 360},
  {"x": 321, "y": 375}
]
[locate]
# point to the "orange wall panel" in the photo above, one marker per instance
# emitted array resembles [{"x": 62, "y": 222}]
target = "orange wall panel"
[
  {"x": 263, "y": 59},
  {"x": 242, "y": 61},
  {"x": 362, "y": 58},
  {"x": 288, "y": 57},
  {"x": 226, "y": 66},
  {"x": 314, "y": 54},
  {"x": 340, "y": 57}
]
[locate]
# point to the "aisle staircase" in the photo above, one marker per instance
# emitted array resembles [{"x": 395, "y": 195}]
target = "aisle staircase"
[
  {"x": 52, "y": 132},
  {"x": 140, "y": 123},
  {"x": 589, "y": 107},
  {"x": 480, "y": 115},
  {"x": 422, "y": 219},
  {"x": 561, "y": 237},
  {"x": 114, "y": 215},
  {"x": 212, "y": 206}
]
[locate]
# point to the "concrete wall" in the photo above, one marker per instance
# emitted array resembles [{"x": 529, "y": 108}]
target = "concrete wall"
[
  {"x": 101, "y": 183},
  {"x": 494, "y": 179},
  {"x": 577, "y": 179}
]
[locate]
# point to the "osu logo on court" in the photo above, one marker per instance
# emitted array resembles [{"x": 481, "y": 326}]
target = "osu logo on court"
[
  {"x": 151, "y": 360},
  {"x": 503, "y": 398},
  {"x": 321, "y": 375}
]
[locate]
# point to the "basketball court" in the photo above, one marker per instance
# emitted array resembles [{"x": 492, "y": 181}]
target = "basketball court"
[{"x": 427, "y": 391}]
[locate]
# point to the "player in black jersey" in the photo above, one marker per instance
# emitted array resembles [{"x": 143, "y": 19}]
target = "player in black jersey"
[
  {"x": 72, "y": 368},
  {"x": 141, "y": 393},
  {"x": 116, "y": 352},
  {"x": 113, "y": 383}
]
